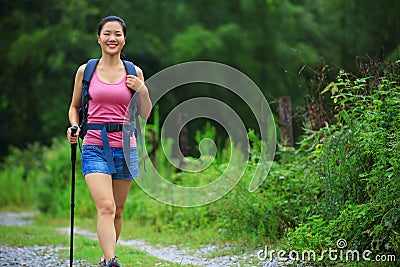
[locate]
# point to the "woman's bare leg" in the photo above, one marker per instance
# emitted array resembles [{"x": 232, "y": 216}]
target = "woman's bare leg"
[
  {"x": 101, "y": 189},
  {"x": 121, "y": 189}
]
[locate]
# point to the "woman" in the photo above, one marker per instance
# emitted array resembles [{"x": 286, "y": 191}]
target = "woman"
[{"x": 110, "y": 90}]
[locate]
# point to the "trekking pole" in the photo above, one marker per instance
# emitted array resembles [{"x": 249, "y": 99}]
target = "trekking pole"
[{"x": 73, "y": 160}]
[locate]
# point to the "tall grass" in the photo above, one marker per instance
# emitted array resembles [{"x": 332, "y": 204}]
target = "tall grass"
[{"x": 18, "y": 177}]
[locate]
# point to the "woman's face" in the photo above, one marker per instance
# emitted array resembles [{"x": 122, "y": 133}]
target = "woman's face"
[{"x": 111, "y": 38}]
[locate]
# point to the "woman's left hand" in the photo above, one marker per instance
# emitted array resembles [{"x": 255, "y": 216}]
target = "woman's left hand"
[{"x": 133, "y": 82}]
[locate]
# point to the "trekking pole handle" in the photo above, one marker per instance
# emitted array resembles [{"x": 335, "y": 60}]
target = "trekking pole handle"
[{"x": 74, "y": 129}]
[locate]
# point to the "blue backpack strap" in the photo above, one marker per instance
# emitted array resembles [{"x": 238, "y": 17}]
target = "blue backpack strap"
[
  {"x": 87, "y": 76},
  {"x": 134, "y": 111},
  {"x": 89, "y": 69},
  {"x": 130, "y": 68}
]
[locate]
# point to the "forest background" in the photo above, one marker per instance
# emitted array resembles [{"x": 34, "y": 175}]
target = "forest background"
[
  {"x": 45, "y": 41},
  {"x": 341, "y": 180}
]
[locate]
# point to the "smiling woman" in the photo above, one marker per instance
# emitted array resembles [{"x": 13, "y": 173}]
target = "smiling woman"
[
  {"x": 111, "y": 35},
  {"x": 110, "y": 91}
]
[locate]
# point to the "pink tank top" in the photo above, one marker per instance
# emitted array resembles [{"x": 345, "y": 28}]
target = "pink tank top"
[{"x": 109, "y": 103}]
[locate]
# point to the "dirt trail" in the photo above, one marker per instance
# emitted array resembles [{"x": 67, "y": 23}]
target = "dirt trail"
[{"x": 196, "y": 257}]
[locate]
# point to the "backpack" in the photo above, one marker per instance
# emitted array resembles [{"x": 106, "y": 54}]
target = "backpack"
[{"x": 132, "y": 128}]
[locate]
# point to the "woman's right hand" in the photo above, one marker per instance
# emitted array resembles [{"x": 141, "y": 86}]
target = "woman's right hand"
[{"x": 73, "y": 139}]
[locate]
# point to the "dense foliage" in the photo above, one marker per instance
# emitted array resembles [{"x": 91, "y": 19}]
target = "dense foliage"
[
  {"x": 44, "y": 42},
  {"x": 357, "y": 166}
]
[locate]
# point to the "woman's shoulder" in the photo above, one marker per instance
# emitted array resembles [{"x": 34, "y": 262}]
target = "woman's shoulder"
[
  {"x": 138, "y": 69},
  {"x": 81, "y": 70}
]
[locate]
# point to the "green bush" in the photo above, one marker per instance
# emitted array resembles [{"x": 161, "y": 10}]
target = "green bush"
[
  {"x": 357, "y": 161},
  {"x": 54, "y": 180},
  {"x": 17, "y": 177}
]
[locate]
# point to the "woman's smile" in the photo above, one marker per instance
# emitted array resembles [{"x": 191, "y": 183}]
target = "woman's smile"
[{"x": 112, "y": 46}]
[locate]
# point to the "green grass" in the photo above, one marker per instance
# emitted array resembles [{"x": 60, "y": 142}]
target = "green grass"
[
  {"x": 31, "y": 235},
  {"x": 152, "y": 234},
  {"x": 44, "y": 233}
]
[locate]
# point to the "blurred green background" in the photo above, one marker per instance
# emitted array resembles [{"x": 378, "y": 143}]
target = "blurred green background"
[{"x": 271, "y": 41}]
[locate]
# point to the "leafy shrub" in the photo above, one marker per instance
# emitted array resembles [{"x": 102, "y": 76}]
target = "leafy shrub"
[
  {"x": 358, "y": 163},
  {"x": 54, "y": 181},
  {"x": 17, "y": 176}
]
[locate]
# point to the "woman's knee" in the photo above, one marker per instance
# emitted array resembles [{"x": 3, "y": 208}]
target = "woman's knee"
[
  {"x": 119, "y": 211},
  {"x": 106, "y": 208}
]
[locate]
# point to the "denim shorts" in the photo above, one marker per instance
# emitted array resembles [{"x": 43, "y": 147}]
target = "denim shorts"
[{"x": 94, "y": 161}]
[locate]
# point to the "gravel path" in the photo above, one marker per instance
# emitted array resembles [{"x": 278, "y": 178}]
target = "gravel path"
[
  {"x": 43, "y": 256},
  {"x": 16, "y": 219},
  {"x": 197, "y": 257},
  {"x": 46, "y": 256}
]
